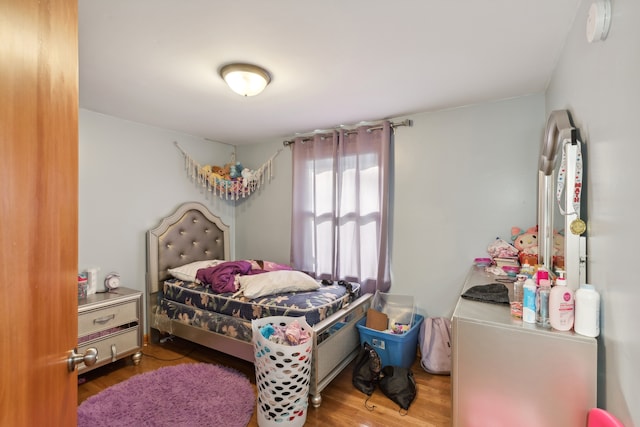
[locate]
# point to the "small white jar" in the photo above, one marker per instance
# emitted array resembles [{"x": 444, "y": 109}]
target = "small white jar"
[{"x": 587, "y": 314}]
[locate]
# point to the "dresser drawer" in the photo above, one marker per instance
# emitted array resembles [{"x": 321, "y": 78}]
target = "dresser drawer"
[
  {"x": 106, "y": 317},
  {"x": 112, "y": 347}
]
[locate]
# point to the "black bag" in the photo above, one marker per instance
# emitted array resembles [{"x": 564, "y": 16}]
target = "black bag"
[
  {"x": 398, "y": 384},
  {"x": 366, "y": 371}
]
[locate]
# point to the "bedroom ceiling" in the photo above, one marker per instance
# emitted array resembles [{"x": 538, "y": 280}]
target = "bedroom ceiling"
[{"x": 332, "y": 62}]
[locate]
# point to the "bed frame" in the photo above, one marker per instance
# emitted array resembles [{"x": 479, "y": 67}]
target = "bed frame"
[{"x": 193, "y": 233}]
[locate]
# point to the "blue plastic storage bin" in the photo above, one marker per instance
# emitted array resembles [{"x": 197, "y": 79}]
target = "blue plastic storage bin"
[{"x": 393, "y": 349}]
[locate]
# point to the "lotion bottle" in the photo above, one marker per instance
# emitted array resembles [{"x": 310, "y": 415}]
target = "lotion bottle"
[
  {"x": 561, "y": 305},
  {"x": 529, "y": 302},
  {"x": 587, "y": 317}
]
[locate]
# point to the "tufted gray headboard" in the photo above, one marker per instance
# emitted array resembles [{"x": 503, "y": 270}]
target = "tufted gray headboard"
[{"x": 191, "y": 233}]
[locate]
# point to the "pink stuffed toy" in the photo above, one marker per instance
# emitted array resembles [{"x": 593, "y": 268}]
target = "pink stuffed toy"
[{"x": 526, "y": 241}]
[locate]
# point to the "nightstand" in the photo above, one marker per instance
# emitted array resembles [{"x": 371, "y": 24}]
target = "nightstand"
[{"x": 111, "y": 323}]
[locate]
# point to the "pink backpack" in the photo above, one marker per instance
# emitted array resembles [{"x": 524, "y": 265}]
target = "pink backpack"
[{"x": 435, "y": 345}]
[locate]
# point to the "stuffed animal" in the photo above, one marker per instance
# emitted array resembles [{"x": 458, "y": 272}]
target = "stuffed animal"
[
  {"x": 206, "y": 170},
  {"x": 248, "y": 176},
  {"x": 235, "y": 170},
  {"x": 526, "y": 241},
  {"x": 224, "y": 171}
]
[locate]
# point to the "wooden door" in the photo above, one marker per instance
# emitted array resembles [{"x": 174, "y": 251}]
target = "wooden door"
[{"x": 38, "y": 211}]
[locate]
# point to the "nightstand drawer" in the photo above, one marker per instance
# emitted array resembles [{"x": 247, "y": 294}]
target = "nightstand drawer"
[
  {"x": 96, "y": 320},
  {"x": 112, "y": 347}
]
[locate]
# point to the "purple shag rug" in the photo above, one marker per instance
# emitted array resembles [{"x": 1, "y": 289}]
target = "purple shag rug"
[{"x": 190, "y": 394}]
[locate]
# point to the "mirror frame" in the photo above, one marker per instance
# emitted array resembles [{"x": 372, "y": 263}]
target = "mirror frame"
[{"x": 560, "y": 134}]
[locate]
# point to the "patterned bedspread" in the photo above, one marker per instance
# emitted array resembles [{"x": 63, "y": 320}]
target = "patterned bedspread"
[{"x": 198, "y": 306}]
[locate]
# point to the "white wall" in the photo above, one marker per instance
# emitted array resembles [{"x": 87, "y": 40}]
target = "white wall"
[
  {"x": 263, "y": 221},
  {"x": 132, "y": 175},
  {"x": 600, "y": 84},
  {"x": 462, "y": 178}
]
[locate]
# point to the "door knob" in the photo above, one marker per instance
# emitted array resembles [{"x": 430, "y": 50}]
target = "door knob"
[{"x": 89, "y": 358}]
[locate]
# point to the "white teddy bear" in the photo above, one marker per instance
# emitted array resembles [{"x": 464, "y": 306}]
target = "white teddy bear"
[{"x": 248, "y": 176}]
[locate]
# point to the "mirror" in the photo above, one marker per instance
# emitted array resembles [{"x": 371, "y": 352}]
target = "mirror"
[{"x": 560, "y": 177}]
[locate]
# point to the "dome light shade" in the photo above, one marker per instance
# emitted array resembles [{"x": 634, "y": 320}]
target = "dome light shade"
[{"x": 245, "y": 79}]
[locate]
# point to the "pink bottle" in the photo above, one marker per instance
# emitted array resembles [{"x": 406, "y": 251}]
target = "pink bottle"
[
  {"x": 541, "y": 274},
  {"x": 561, "y": 305}
]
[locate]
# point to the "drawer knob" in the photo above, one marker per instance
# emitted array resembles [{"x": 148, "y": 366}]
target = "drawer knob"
[{"x": 89, "y": 358}]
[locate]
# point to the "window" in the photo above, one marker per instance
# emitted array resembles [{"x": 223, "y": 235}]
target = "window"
[{"x": 340, "y": 212}]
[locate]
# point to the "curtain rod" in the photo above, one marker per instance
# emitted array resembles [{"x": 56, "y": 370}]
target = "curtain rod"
[{"x": 406, "y": 122}]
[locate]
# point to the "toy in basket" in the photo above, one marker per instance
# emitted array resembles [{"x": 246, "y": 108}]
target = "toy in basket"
[{"x": 283, "y": 369}]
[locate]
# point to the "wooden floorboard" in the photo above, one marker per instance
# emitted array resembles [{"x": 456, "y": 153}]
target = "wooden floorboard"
[{"x": 342, "y": 404}]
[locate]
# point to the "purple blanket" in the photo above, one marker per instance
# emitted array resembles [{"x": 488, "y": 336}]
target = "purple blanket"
[{"x": 221, "y": 278}]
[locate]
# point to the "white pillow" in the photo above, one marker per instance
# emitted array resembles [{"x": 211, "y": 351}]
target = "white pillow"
[
  {"x": 188, "y": 272},
  {"x": 275, "y": 282}
]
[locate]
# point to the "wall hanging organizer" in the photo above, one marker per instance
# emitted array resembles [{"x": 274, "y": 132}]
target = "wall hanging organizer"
[{"x": 231, "y": 180}]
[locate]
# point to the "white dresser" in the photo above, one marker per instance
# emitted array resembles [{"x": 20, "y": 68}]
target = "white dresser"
[
  {"x": 110, "y": 322},
  {"x": 509, "y": 373}
]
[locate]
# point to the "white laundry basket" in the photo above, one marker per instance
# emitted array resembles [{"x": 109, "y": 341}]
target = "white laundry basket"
[{"x": 283, "y": 374}]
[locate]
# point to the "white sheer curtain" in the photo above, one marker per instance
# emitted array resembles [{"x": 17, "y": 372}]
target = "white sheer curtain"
[{"x": 340, "y": 206}]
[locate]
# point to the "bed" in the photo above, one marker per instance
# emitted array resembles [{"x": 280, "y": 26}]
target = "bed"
[{"x": 177, "y": 306}]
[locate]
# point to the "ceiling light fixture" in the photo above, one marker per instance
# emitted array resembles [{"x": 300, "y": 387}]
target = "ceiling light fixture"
[
  {"x": 598, "y": 20},
  {"x": 245, "y": 79}
]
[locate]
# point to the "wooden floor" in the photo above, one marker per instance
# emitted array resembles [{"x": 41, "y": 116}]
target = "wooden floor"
[{"x": 342, "y": 404}]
